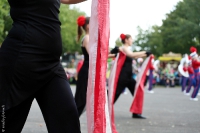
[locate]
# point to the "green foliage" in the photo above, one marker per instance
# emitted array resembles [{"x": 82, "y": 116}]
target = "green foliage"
[
  {"x": 150, "y": 40},
  {"x": 5, "y": 20},
  {"x": 179, "y": 31},
  {"x": 118, "y": 42},
  {"x": 68, "y": 19}
]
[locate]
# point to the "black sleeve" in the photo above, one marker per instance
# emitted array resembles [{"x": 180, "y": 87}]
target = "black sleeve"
[{"x": 115, "y": 50}]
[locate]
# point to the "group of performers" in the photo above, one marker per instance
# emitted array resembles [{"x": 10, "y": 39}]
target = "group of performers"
[
  {"x": 30, "y": 69},
  {"x": 190, "y": 74},
  {"x": 125, "y": 78}
]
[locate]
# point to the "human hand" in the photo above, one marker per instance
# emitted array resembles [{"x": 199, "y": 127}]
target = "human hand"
[{"x": 148, "y": 53}]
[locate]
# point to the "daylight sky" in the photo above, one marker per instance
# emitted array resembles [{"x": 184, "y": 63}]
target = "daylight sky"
[{"x": 126, "y": 15}]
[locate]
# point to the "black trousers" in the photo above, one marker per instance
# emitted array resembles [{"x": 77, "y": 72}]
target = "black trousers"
[
  {"x": 81, "y": 88},
  {"x": 57, "y": 105},
  {"x": 122, "y": 84}
]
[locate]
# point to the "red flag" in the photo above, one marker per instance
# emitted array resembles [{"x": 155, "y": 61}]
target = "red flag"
[
  {"x": 97, "y": 105},
  {"x": 112, "y": 85},
  {"x": 138, "y": 98},
  {"x": 80, "y": 64}
]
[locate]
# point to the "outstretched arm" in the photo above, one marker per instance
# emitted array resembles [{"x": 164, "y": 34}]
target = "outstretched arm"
[
  {"x": 111, "y": 55},
  {"x": 131, "y": 54},
  {"x": 141, "y": 56},
  {"x": 71, "y": 1}
]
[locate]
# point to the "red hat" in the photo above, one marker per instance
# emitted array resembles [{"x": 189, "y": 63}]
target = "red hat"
[{"x": 193, "y": 51}]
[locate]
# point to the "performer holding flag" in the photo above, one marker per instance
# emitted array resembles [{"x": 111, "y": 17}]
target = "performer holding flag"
[
  {"x": 121, "y": 75},
  {"x": 82, "y": 82}
]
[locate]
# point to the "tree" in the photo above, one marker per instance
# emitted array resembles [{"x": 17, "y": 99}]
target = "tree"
[
  {"x": 68, "y": 19},
  {"x": 179, "y": 31},
  {"x": 150, "y": 40},
  {"x": 5, "y": 20},
  {"x": 118, "y": 42}
]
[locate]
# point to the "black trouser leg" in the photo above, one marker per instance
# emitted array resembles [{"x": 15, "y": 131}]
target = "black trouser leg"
[
  {"x": 58, "y": 107},
  {"x": 81, "y": 95},
  {"x": 80, "y": 99},
  {"x": 131, "y": 86},
  {"x": 119, "y": 90},
  {"x": 15, "y": 117}
]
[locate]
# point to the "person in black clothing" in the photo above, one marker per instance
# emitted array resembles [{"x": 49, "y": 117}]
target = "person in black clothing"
[
  {"x": 30, "y": 68},
  {"x": 125, "y": 77},
  {"x": 82, "y": 82},
  {"x": 81, "y": 85}
]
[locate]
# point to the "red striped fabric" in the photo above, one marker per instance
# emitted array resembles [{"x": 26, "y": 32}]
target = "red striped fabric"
[
  {"x": 138, "y": 98},
  {"x": 97, "y": 104},
  {"x": 112, "y": 85}
]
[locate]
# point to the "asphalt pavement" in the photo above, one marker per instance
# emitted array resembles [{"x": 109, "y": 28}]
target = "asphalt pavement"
[{"x": 167, "y": 111}]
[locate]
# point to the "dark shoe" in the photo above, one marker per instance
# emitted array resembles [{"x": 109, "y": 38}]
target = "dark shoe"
[{"x": 138, "y": 116}]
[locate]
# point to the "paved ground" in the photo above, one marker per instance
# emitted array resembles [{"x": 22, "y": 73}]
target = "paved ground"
[{"x": 167, "y": 111}]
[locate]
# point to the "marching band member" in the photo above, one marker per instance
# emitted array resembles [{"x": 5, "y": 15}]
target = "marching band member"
[
  {"x": 184, "y": 79},
  {"x": 191, "y": 77},
  {"x": 151, "y": 69},
  {"x": 195, "y": 65}
]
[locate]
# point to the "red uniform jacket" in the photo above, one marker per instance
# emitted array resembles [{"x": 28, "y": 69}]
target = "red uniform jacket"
[
  {"x": 195, "y": 64},
  {"x": 189, "y": 69}
]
